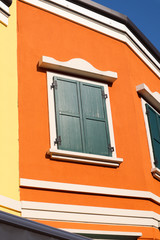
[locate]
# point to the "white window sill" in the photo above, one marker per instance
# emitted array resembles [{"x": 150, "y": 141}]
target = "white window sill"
[
  {"x": 84, "y": 158},
  {"x": 156, "y": 173}
]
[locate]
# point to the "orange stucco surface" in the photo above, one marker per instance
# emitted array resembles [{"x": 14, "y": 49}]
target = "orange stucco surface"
[
  {"x": 41, "y": 33},
  {"x": 148, "y": 233}
]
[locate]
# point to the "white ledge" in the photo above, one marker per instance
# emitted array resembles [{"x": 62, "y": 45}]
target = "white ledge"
[
  {"x": 77, "y": 66},
  {"x": 84, "y": 158},
  {"x": 89, "y": 189},
  {"x": 109, "y": 233},
  {"x": 10, "y": 203},
  {"x": 89, "y": 214},
  {"x": 156, "y": 173},
  {"x": 4, "y": 13},
  {"x": 152, "y": 98}
]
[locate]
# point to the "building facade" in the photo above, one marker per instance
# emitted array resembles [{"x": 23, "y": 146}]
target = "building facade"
[
  {"x": 9, "y": 150},
  {"x": 89, "y": 120}
]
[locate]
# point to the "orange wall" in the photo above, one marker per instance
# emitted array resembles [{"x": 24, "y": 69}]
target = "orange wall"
[
  {"x": 148, "y": 233},
  {"x": 41, "y": 33}
]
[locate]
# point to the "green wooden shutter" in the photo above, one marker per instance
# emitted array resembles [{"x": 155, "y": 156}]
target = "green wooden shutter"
[
  {"x": 96, "y": 132},
  {"x": 68, "y": 115},
  {"x": 154, "y": 125}
]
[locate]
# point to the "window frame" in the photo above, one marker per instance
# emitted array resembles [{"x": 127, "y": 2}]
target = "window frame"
[
  {"x": 69, "y": 155},
  {"x": 153, "y": 100},
  {"x": 79, "y": 70}
]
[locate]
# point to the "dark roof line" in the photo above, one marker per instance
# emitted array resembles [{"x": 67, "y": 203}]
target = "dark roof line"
[
  {"x": 98, "y": 8},
  {"x": 7, "y": 2},
  {"x": 32, "y": 226}
]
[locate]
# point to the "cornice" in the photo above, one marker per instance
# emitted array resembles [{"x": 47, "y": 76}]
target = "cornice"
[
  {"x": 96, "y": 17},
  {"x": 7, "y": 2},
  {"x": 107, "y": 12},
  {"x": 4, "y": 12}
]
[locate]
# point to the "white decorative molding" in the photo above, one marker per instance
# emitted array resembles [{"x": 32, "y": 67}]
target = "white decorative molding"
[
  {"x": 108, "y": 233},
  {"x": 89, "y": 214},
  {"x": 77, "y": 66},
  {"x": 99, "y": 23},
  {"x": 85, "y": 158},
  {"x": 10, "y": 203},
  {"x": 4, "y": 13},
  {"x": 78, "y": 188},
  {"x": 156, "y": 173},
  {"x": 152, "y": 98}
]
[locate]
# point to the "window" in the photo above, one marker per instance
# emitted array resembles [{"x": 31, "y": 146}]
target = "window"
[
  {"x": 154, "y": 127},
  {"x": 151, "y": 111},
  {"x": 80, "y": 119}
]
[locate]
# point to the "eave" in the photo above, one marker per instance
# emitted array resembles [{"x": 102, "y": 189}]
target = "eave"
[{"x": 107, "y": 12}]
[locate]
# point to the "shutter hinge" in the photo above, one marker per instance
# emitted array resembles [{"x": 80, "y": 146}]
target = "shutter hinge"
[
  {"x": 155, "y": 162},
  {"x": 104, "y": 95},
  {"x": 147, "y": 112},
  {"x": 111, "y": 148},
  {"x": 58, "y": 141},
  {"x": 54, "y": 84}
]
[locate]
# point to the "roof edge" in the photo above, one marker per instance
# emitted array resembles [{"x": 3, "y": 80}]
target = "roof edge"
[
  {"x": 114, "y": 15},
  {"x": 7, "y": 2},
  {"x": 33, "y": 226}
]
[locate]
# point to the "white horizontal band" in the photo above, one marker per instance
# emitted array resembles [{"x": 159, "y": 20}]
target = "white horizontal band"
[
  {"x": 99, "y": 23},
  {"x": 88, "y": 214},
  {"x": 4, "y": 13},
  {"x": 156, "y": 173},
  {"x": 85, "y": 158},
  {"x": 89, "y": 189},
  {"x": 98, "y": 232},
  {"x": 3, "y": 18},
  {"x": 10, "y": 203},
  {"x": 4, "y": 7},
  {"x": 79, "y": 67}
]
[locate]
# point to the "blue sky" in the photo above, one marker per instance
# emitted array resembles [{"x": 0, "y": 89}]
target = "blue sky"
[{"x": 145, "y": 14}]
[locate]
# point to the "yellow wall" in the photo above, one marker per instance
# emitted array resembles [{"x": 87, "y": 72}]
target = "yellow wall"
[
  {"x": 10, "y": 211},
  {"x": 9, "y": 168}
]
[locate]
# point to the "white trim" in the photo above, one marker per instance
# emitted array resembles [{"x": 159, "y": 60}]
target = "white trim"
[
  {"x": 77, "y": 188},
  {"x": 79, "y": 67},
  {"x": 99, "y": 232},
  {"x": 10, "y": 203},
  {"x": 89, "y": 214},
  {"x": 4, "y": 13},
  {"x": 148, "y": 132},
  {"x": 152, "y": 98},
  {"x": 85, "y": 158},
  {"x": 99, "y": 23},
  {"x": 77, "y": 156},
  {"x": 156, "y": 173},
  {"x": 3, "y": 18}
]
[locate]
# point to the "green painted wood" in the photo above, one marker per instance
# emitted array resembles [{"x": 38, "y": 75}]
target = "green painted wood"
[
  {"x": 70, "y": 133},
  {"x": 154, "y": 126},
  {"x": 96, "y": 131},
  {"x": 68, "y": 115},
  {"x": 81, "y": 117}
]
